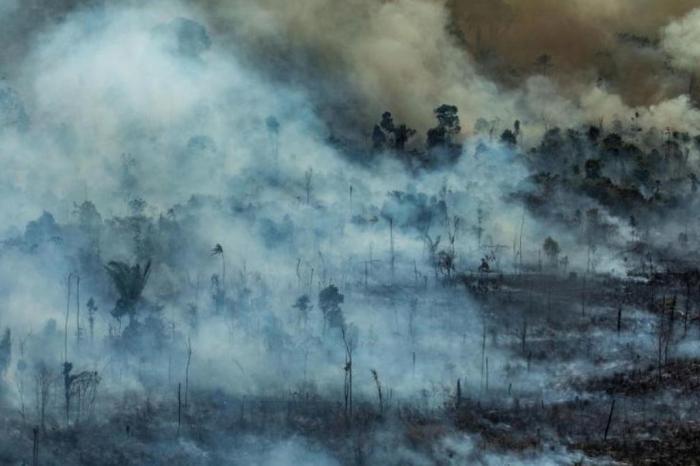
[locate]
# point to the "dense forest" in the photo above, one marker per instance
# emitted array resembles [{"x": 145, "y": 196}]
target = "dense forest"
[{"x": 370, "y": 234}]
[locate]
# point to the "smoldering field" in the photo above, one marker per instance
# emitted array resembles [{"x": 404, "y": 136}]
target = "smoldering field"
[{"x": 217, "y": 247}]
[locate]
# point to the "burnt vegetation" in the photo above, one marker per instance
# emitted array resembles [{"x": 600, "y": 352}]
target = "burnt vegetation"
[
  {"x": 282, "y": 289},
  {"x": 551, "y": 355}
]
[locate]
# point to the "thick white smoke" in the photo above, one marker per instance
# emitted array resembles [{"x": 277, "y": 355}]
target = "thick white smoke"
[{"x": 680, "y": 40}]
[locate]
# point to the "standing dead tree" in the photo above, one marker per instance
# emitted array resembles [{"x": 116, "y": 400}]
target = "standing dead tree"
[
  {"x": 187, "y": 369},
  {"x": 5, "y": 351},
  {"x": 690, "y": 280},
  {"x": 391, "y": 247},
  {"x": 298, "y": 272},
  {"x": 67, "y": 383},
  {"x": 369, "y": 266},
  {"x": 78, "y": 330},
  {"x": 664, "y": 330},
  {"x": 458, "y": 396},
  {"x": 518, "y": 253},
  {"x": 308, "y": 177},
  {"x": 610, "y": 415},
  {"x": 69, "y": 280},
  {"x": 43, "y": 378},
  {"x": 220, "y": 291},
  {"x": 484, "y": 360},
  {"x": 380, "y": 398},
  {"x": 479, "y": 228},
  {"x": 21, "y": 369},
  {"x": 347, "y": 386},
  {"x": 35, "y": 446},
  {"x": 82, "y": 386},
  {"x": 452, "y": 230},
  {"x": 92, "y": 310},
  {"x": 85, "y": 390},
  {"x": 432, "y": 247},
  {"x": 69, "y": 287},
  {"x": 179, "y": 408}
]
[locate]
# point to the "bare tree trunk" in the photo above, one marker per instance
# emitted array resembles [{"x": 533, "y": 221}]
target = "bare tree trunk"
[
  {"x": 43, "y": 380},
  {"x": 77, "y": 312},
  {"x": 308, "y": 176},
  {"x": 619, "y": 319},
  {"x": 350, "y": 386},
  {"x": 65, "y": 329},
  {"x": 520, "y": 250},
  {"x": 348, "y": 377},
  {"x": 487, "y": 375},
  {"x": 391, "y": 245},
  {"x": 67, "y": 379},
  {"x": 365, "y": 276},
  {"x": 660, "y": 337},
  {"x": 459, "y": 394},
  {"x": 35, "y": 447},
  {"x": 687, "y": 306},
  {"x": 483, "y": 356},
  {"x": 179, "y": 409},
  {"x": 375, "y": 376},
  {"x": 223, "y": 279},
  {"x": 607, "y": 426},
  {"x": 187, "y": 369}
]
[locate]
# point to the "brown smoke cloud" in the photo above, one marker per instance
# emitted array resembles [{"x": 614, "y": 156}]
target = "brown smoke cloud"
[
  {"x": 604, "y": 57},
  {"x": 585, "y": 39},
  {"x": 368, "y": 55}
]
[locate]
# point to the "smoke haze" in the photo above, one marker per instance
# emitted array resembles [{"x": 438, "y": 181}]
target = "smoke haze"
[{"x": 267, "y": 208}]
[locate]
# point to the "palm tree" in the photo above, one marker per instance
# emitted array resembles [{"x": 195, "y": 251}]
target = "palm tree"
[{"x": 130, "y": 282}]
